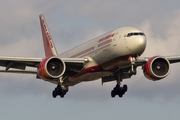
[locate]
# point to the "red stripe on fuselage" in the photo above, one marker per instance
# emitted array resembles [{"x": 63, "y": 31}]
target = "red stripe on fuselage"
[
  {"x": 92, "y": 48},
  {"x": 94, "y": 51},
  {"x": 104, "y": 43},
  {"x": 83, "y": 52},
  {"x": 109, "y": 66}
]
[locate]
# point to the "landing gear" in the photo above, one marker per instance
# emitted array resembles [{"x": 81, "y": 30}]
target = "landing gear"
[
  {"x": 123, "y": 74},
  {"x": 120, "y": 91},
  {"x": 61, "y": 91}
]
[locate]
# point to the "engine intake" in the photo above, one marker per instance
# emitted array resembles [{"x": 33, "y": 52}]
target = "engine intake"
[
  {"x": 156, "y": 68},
  {"x": 51, "y": 68}
]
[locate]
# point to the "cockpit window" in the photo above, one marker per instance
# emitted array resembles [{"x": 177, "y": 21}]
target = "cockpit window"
[
  {"x": 135, "y": 34},
  {"x": 141, "y": 34}
]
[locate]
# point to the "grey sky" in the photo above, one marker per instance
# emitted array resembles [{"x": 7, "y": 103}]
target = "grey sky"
[{"x": 72, "y": 23}]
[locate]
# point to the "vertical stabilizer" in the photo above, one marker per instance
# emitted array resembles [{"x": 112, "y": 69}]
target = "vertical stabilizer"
[{"x": 49, "y": 47}]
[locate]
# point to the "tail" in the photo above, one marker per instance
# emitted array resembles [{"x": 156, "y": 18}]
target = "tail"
[{"x": 49, "y": 47}]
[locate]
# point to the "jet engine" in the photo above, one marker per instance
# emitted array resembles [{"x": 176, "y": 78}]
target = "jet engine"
[
  {"x": 156, "y": 68},
  {"x": 51, "y": 68}
]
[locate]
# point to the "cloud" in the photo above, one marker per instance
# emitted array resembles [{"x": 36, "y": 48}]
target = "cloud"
[{"x": 165, "y": 41}]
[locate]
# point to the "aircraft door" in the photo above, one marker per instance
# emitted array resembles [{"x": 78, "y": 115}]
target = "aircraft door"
[
  {"x": 114, "y": 44},
  {"x": 114, "y": 39}
]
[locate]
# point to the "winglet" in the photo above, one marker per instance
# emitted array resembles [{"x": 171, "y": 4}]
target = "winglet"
[{"x": 49, "y": 47}]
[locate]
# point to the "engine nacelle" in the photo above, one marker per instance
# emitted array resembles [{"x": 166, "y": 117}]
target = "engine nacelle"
[
  {"x": 156, "y": 68},
  {"x": 51, "y": 68}
]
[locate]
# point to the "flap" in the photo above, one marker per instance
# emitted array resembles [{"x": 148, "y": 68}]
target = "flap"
[
  {"x": 19, "y": 71},
  {"x": 19, "y": 62}
]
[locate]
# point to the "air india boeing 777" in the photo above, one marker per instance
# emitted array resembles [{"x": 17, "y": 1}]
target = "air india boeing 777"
[{"x": 113, "y": 56}]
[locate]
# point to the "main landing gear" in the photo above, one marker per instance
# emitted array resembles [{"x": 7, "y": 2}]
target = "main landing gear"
[
  {"x": 120, "y": 91},
  {"x": 119, "y": 76},
  {"x": 61, "y": 91}
]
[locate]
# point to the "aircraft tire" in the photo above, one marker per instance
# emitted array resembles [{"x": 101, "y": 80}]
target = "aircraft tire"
[
  {"x": 54, "y": 94},
  {"x": 113, "y": 94},
  {"x": 125, "y": 88},
  {"x": 120, "y": 94},
  {"x": 62, "y": 95}
]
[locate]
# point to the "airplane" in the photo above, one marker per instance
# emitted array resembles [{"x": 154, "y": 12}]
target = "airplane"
[{"x": 113, "y": 56}]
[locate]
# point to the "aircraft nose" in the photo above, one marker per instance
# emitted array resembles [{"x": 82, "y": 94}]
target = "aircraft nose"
[
  {"x": 141, "y": 41},
  {"x": 137, "y": 45}
]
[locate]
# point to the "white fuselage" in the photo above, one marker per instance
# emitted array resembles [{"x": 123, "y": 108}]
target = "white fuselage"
[{"x": 107, "y": 53}]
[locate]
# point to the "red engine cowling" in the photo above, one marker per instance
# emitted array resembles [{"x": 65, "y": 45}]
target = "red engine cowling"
[
  {"x": 156, "y": 68},
  {"x": 51, "y": 68}
]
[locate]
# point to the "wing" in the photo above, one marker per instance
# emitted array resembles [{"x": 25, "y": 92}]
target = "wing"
[
  {"x": 143, "y": 60},
  {"x": 171, "y": 59},
  {"x": 20, "y": 63},
  {"x": 140, "y": 62}
]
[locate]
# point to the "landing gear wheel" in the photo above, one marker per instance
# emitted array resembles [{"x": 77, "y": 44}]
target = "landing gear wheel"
[
  {"x": 63, "y": 92},
  {"x": 62, "y": 95},
  {"x": 113, "y": 94},
  {"x": 54, "y": 94},
  {"x": 120, "y": 91},
  {"x": 120, "y": 94},
  {"x": 59, "y": 91},
  {"x": 125, "y": 88}
]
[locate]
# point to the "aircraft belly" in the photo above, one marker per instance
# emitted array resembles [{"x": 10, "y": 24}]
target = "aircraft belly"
[{"x": 88, "y": 76}]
